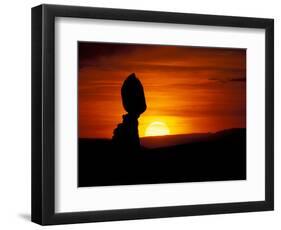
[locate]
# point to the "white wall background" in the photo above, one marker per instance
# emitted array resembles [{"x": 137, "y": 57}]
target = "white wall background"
[{"x": 15, "y": 120}]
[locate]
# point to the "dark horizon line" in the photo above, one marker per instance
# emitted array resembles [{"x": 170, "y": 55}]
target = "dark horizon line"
[{"x": 181, "y": 134}]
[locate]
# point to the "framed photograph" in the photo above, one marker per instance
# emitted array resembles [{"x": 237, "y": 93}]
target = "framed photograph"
[{"x": 142, "y": 114}]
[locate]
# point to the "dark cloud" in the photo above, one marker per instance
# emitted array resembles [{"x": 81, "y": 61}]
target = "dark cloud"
[
  {"x": 217, "y": 80},
  {"x": 241, "y": 79},
  {"x": 116, "y": 56}
]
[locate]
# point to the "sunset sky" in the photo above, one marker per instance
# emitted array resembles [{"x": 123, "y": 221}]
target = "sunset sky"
[{"x": 189, "y": 89}]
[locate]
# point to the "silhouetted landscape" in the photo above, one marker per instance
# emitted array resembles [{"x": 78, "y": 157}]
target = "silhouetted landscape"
[
  {"x": 142, "y": 109},
  {"x": 164, "y": 159}
]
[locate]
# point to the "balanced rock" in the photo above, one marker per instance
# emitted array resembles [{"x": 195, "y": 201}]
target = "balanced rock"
[
  {"x": 133, "y": 98},
  {"x": 126, "y": 135}
]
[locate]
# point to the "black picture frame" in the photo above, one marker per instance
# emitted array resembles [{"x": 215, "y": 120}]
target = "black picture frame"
[{"x": 43, "y": 110}]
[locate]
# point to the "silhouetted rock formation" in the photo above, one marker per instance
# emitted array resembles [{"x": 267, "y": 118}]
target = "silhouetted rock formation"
[
  {"x": 133, "y": 98},
  {"x": 126, "y": 135}
]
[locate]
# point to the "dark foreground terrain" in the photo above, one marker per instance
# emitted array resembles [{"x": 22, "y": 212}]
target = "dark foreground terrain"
[{"x": 199, "y": 157}]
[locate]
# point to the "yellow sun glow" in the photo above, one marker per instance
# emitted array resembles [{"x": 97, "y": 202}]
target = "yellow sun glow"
[{"x": 157, "y": 128}]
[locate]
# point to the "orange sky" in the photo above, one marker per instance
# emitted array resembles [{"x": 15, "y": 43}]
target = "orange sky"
[{"x": 190, "y": 89}]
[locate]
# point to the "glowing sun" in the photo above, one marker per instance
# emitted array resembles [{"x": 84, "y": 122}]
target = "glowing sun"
[{"x": 157, "y": 128}]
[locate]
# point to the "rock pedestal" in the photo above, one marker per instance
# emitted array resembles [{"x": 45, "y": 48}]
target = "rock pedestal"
[{"x": 126, "y": 135}]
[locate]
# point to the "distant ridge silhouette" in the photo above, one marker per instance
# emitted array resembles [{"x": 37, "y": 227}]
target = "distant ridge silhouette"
[
  {"x": 219, "y": 156},
  {"x": 178, "y": 139}
]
